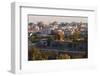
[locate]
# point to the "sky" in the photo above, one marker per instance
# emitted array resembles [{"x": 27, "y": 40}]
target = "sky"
[{"x": 50, "y": 19}]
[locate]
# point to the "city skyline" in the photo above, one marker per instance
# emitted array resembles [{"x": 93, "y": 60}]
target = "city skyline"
[
  {"x": 57, "y": 37},
  {"x": 49, "y": 19}
]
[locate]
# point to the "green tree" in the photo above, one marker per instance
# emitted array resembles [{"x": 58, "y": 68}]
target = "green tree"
[
  {"x": 76, "y": 35},
  {"x": 30, "y": 24}
]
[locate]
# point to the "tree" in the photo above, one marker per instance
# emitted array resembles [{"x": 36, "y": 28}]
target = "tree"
[
  {"x": 62, "y": 24},
  {"x": 40, "y": 24},
  {"x": 63, "y": 56},
  {"x": 76, "y": 35},
  {"x": 30, "y": 24},
  {"x": 50, "y": 38},
  {"x": 34, "y": 54},
  {"x": 44, "y": 55},
  {"x": 59, "y": 35},
  {"x": 54, "y": 23}
]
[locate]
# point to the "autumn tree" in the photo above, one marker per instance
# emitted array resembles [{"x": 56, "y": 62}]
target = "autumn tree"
[{"x": 63, "y": 56}]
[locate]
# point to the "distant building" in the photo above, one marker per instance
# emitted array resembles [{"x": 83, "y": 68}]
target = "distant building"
[
  {"x": 67, "y": 33},
  {"x": 33, "y": 28},
  {"x": 46, "y": 30}
]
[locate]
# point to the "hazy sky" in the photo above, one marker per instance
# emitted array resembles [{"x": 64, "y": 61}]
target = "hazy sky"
[{"x": 49, "y": 19}]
